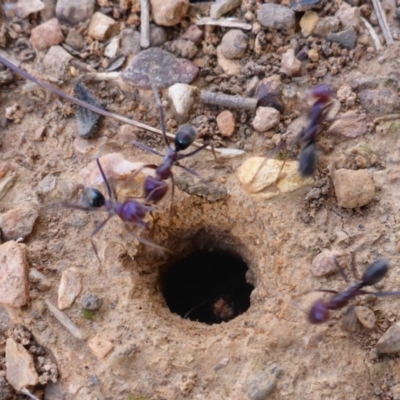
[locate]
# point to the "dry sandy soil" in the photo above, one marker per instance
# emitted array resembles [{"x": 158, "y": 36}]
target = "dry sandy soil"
[{"x": 157, "y": 354}]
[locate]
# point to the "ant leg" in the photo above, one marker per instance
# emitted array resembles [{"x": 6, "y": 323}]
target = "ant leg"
[
  {"x": 172, "y": 194},
  {"x": 190, "y": 171},
  {"x": 353, "y": 266},
  {"x": 111, "y": 194},
  {"x": 146, "y": 242},
  {"x": 131, "y": 177},
  {"x": 325, "y": 291},
  {"x": 341, "y": 270},
  {"x": 147, "y": 148},
  {"x": 161, "y": 111},
  {"x": 97, "y": 230},
  {"x": 76, "y": 207},
  {"x": 380, "y": 294},
  {"x": 197, "y": 150},
  {"x": 270, "y": 153}
]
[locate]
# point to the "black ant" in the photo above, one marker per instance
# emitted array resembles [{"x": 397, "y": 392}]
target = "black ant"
[
  {"x": 130, "y": 211},
  {"x": 374, "y": 273},
  {"x": 308, "y": 136},
  {"x": 155, "y": 188},
  {"x": 318, "y": 114}
]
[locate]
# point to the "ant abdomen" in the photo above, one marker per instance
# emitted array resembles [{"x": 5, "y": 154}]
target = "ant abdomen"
[
  {"x": 308, "y": 159},
  {"x": 132, "y": 211},
  {"x": 185, "y": 136},
  {"x": 375, "y": 272},
  {"x": 93, "y": 197},
  {"x": 154, "y": 189}
]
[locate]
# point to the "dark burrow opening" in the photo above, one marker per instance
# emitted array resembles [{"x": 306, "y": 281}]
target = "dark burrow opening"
[{"x": 207, "y": 286}]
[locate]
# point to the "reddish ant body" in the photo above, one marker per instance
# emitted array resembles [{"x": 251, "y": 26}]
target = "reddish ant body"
[
  {"x": 130, "y": 211},
  {"x": 374, "y": 273},
  {"x": 155, "y": 188}
]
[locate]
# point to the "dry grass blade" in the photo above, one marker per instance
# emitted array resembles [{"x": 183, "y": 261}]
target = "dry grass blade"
[{"x": 100, "y": 111}]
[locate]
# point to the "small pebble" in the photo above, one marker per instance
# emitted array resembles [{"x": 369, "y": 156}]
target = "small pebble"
[
  {"x": 74, "y": 39},
  {"x": 130, "y": 42},
  {"x": 390, "y": 341},
  {"x": 349, "y": 16},
  {"x": 40, "y": 280},
  {"x": 20, "y": 367},
  {"x": 308, "y": 22},
  {"x": 258, "y": 181},
  {"x": 70, "y": 286},
  {"x": 18, "y": 223},
  {"x": 56, "y": 61},
  {"x": 169, "y": 12},
  {"x": 326, "y": 26},
  {"x": 366, "y": 316},
  {"x": 353, "y": 188},
  {"x": 100, "y": 346},
  {"x": 46, "y": 35},
  {"x": 111, "y": 50},
  {"x": 226, "y": 123},
  {"x": 91, "y": 302},
  {"x": 347, "y": 37},
  {"x": 87, "y": 121},
  {"x": 14, "y": 285},
  {"x": 276, "y": 16},
  {"x": 265, "y": 119},
  {"x": 182, "y": 97},
  {"x": 350, "y": 125},
  {"x": 379, "y": 101},
  {"x": 75, "y": 11},
  {"x": 158, "y": 35},
  {"x": 194, "y": 34},
  {"x": 325, "y": 263},
  {"x": 28, "y": 7},
  {"x": 146, "y": 64},
  {"x": 181, "y": 48},
  {"x": 290, "y": 65},
  {"x": 260, "y": 384},
  {"x": 221, "y": 7},
  {"x": 102, "y": 27},
  {"x": 234, "y": 44},
  {"x": 230, "y": 67}
]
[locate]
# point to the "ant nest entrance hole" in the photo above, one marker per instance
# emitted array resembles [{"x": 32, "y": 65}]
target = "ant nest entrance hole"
[{"x": 207, "y": 282}]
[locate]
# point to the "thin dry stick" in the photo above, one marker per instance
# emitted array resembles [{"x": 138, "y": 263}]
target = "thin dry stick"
[
  {"x": 382, "y": 22},
  {"x": 144, "y": 24},
  {"x": 27, "y": 393},
  {"x": 65, "y": 321},
  {"x": 58, "y": 92},
  {"x": 388, "y": 117},
  {"x": 225, "y": 100},
  {"x": 373, "y": 34}
]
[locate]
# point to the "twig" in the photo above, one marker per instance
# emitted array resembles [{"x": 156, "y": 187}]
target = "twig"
[
  {"x": 144, "y": 24},
  {"x": 388, "y": 117},
  {"x": 373, "y": 34},
  {"x": 224, "y": 22},
  {"x": 58, "y": 92},
  {"x": 382, "y": 22},
  {"x": 225, "y": 100},
  {"x": 65, "y": 321},
  {"x": 26, "y": 392}
]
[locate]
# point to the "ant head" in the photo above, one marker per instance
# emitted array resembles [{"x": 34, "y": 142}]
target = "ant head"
[
  {"x": 93, "y": 197},
  {"x": 323, "y": 92},
  {"x": 375, "y": 272},
  {"x": 185, "y": 136},
  {"x": 319, "y": 313}
]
